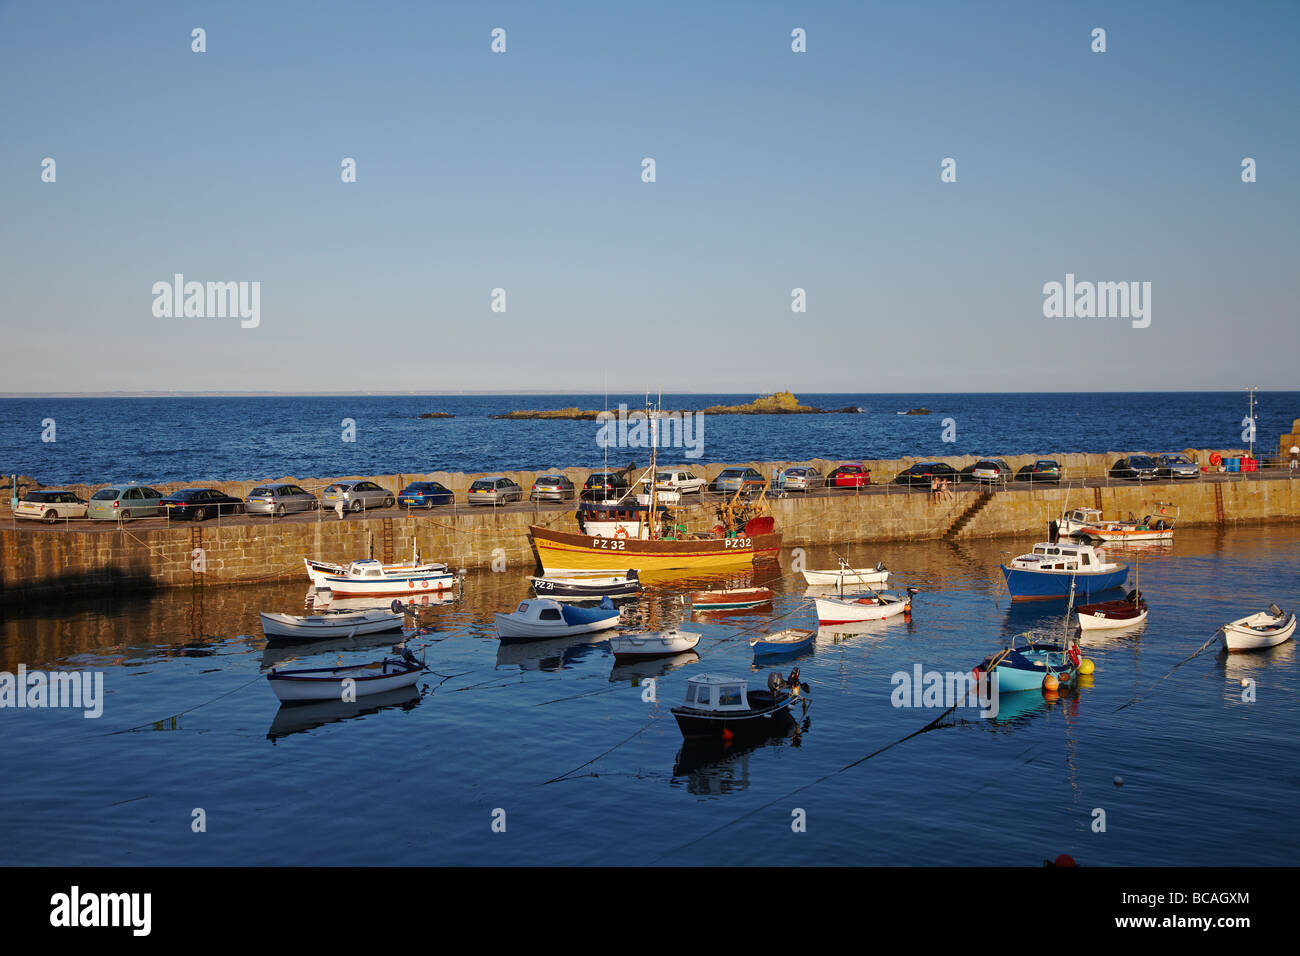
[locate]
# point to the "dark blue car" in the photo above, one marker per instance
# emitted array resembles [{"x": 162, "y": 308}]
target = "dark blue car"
[{"x": 424, "y": 494}]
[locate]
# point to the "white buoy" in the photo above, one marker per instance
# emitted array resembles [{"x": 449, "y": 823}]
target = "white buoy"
[{"x": 1119, "y": 781}]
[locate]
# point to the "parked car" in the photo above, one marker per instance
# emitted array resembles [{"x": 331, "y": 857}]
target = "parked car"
[
  {"x": 679, "y": 480},
  {"x": 1043, "y": 470},
  {"x": 201, "y": 503},
  {"x": 802, "y": 478},
  {"x": 604, "y": 486},
  {"x": 279, "y": 499},
  {"x": 923, "y": 471},
  {"x": 552, "y": 488},
  {"x": 1134, "y": 468},
  {"x": 1177, "y": 466},
  {"x": 731, "y": 480},
  {"x": 356, "y": 496},
  {"x": 124, "y": 502},
  {"x": 494, "y": 490},
  {"x": 849, "y": 476},
  {"x": 991, "y": 471},
  {"x": 50, "y": 504},
  {"x": 425, "y": 494}
]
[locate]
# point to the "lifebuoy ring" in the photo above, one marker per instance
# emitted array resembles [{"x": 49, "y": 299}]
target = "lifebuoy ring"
[
  {"x": 1215, "y": 458},
  {"x": 621, "y": 532}
]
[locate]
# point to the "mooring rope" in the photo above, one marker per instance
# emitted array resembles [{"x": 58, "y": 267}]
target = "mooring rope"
[{"x": 1196, "y": 653}]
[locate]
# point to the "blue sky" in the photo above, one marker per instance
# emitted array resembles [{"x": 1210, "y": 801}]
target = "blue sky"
[{"x": 522, "y": 171}]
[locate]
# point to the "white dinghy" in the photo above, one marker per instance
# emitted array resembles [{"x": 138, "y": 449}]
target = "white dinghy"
[
  {"x": 1258, "y": 631},
  {"x": 664, "y": 644},
  {"x": 345, "y": 682},
  {"x": 541, "y": 618},
  {"x": 846, "y": 575},
  {"x": 313, "y": 627}
]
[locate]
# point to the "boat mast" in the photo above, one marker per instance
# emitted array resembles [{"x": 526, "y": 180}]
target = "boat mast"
[{"x": 653, "y": 532}]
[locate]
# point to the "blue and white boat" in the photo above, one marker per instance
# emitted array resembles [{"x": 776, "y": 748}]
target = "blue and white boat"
[
  {"x": 1026, "y": 666},
  {"x": 790, "y": 641},
  {"x": 1046, "y": 572},
  {"x": 540, "y": 618}
]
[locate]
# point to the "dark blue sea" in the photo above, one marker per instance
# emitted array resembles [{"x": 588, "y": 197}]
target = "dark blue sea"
[
  {"x": 1163, "y": 756},
  {"x": 180, "y": 439}
]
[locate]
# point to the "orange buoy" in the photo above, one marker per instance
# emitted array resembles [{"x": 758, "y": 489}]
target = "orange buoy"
[
  {"x": 1050, "y": 682},
  {"x": 726, "y": 733}
]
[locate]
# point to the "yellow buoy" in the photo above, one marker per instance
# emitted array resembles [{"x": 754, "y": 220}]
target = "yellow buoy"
[
  {"x": 1050, "y": 682},
  {"x": 1086, "y": 666}
]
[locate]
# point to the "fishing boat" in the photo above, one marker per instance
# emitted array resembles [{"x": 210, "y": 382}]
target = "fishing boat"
[
  {"x": 847, "y": 575},
  {"x": 1128, "y": 612},
  {"x": 651, "y": 539},
  {"x": 587, "y": 588},
  {"x": 726, "y": 708},
  {"x": 313, "y": 627},
  {"x": 790, "y": 641},
  {"x": 369, "y": 578},
  {"x": 627, "y": 647},
  {"x": 318, "y": 571},
  {"x": 1047, "y": 572},
  {"x": 730, "y": 599},
  {"x": 1087, "y": 523},
  {"x": 347, "y": 681},
  {"x": 1027, "y": 664},
  {"x": 1258, "y": 631},
  {"x": 541, "y": 618},
  {"x": 877, "y": 606}
]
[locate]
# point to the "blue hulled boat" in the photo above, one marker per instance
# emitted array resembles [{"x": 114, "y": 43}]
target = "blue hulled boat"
[
  {"x": 1026, "y": 666},
  {"x": 1046, "y": 572}
]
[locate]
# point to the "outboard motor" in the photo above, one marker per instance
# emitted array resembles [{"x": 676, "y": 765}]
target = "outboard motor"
[{"x": 1274, "y": 610}]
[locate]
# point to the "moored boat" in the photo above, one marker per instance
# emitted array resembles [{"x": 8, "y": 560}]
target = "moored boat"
[
  {"x": 1088, "y": 523},
  {"x": 877, "y": 606},
  {"x": 1028, "y": 665},
  {"x": 370, "y": 578},
  {"x": 847, "y": 576},
  {"x": 627, "y": 647},
  {"x": 1258, "y": 631},
  {"x": 726, "y": 708},
  {"x": 345, "y": 682},
  {"x": 1048, "y": 570},
  {"x": 587, "y": 588},
  {"x": 313, "y": 627},
  {"x": 789, "y": 641},
  {"x": 541, "y": 618},
  {"x": 730, "y": 599},
  {"x": 1128, "y": 612}
]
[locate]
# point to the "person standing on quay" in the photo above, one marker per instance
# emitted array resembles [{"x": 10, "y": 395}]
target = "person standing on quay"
[
  {"x": 1295, "y": 457},
  {"x": 338, "y": 507}
]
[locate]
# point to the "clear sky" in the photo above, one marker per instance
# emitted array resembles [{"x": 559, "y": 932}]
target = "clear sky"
[{"x": 775, "y": 170}]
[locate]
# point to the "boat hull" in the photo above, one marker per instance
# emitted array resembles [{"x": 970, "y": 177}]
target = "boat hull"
[
  {"x": 836, "y": 611},
  {"x": 563, "y": 552},
  {"x": 632, "y": 647},
  {"x": 1027, "y": 585},
  {"x": 510, "y": 628},
  {"x": 326, "y": 683},
  {"x": 755, "y": 723},
  {"x": 790, "y": 641},
  {"x": 851, "y": 577},
  {"x": 315, "y": 627},
  {"x": 1240, "y": 636}
]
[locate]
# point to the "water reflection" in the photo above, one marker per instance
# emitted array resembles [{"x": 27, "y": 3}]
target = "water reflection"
[
  {"x": 714, "y": 768},
  {"x": 636, "y": 671},
  {"x": 556, "y": 654},
  {"x": 300, "y": 718}
]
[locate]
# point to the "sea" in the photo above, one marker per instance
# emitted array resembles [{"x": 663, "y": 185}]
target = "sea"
[{"x": 111, "y": 440}]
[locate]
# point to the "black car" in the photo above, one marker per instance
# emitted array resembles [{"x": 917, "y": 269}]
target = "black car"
[
  {"x": 604, "y": 486},
  {"x": 923, "y": 471},
  {"x": 200, "y": 504},
  {"x": 1134, "y": 468},
  {"x": 1043, "y": 470}
]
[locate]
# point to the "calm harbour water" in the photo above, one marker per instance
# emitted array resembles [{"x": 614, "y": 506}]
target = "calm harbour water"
[
  {"x": 1208, "y": 778},
  {"x": 204, "y": 439}
]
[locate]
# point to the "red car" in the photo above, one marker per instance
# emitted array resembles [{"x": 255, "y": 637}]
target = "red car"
[{"x": 849, "y": 476}]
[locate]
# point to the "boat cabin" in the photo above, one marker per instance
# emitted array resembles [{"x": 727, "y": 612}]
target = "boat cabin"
[
  {"x": 1083, "y": 516},
  {"x": 1061, "y": 557},
  {"x": 709, "y": 692},
  {"x": 367, "y": 568},
  {"x": 537, "y": 610}
]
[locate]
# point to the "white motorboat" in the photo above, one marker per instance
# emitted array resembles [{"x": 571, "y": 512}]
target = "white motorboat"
[
  {"x": 663, "y": 644},
  {"x": 540, "y": 618},
  {"x": 313, "y": 627},
  {"x": 1258, "y": 631},
  {"x": 370, "y": 578},
  {"x": 845, "y": 575},
  {"x": 345, "y": 682}
]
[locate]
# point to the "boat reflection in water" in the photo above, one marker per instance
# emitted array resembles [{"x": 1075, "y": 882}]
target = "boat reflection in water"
[
  {"x": 1016, "y": 710},
  {"x": 636, "y": 671},
  {"x": 276, "y": 654},
  {"x": 556, "y": 654},
  {"x": 713, "y": 768},
  {"x": 300, "y": 718},
  {"x": 1252, "y": 666}
]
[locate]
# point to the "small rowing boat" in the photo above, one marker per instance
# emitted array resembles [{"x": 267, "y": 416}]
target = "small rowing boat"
[
  {"x": 789, "y": 641},
  {"x": 627, "y": 647},
  {"x": 541, "y": 618},
  {"x": 313, "y": 627},
  {"x": 847, "y": 575},
  {"x": 1258, "y": 631},
  {"x": 587, "y": 588},
  {"x": 346, "y": 683},
  {"x": 872, "y": 607},
  {"x": 730, "y": 599},
  {"x": 1128, "y": 612}
]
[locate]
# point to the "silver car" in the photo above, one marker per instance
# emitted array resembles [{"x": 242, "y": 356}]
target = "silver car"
[
  {"x": 494, "y": 490},
  {"x": 802, "y": 479},
  {"x": 356, "y": 496},
  {"x": 124, "y": 502},
  {"x": 1176, "y": 466},
  {"x": 279, "y": 500}
]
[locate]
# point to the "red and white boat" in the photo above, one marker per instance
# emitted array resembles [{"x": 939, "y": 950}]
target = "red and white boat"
[
  {"x": 1088, "y": 523},
  {"x": 1128, "y": 612},
  {"x": 872, "y": 607},
  {"x": 730, "y": 599},
  {"x": 370, "y": 578},
  {"x": 1258, "y": 631}
]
